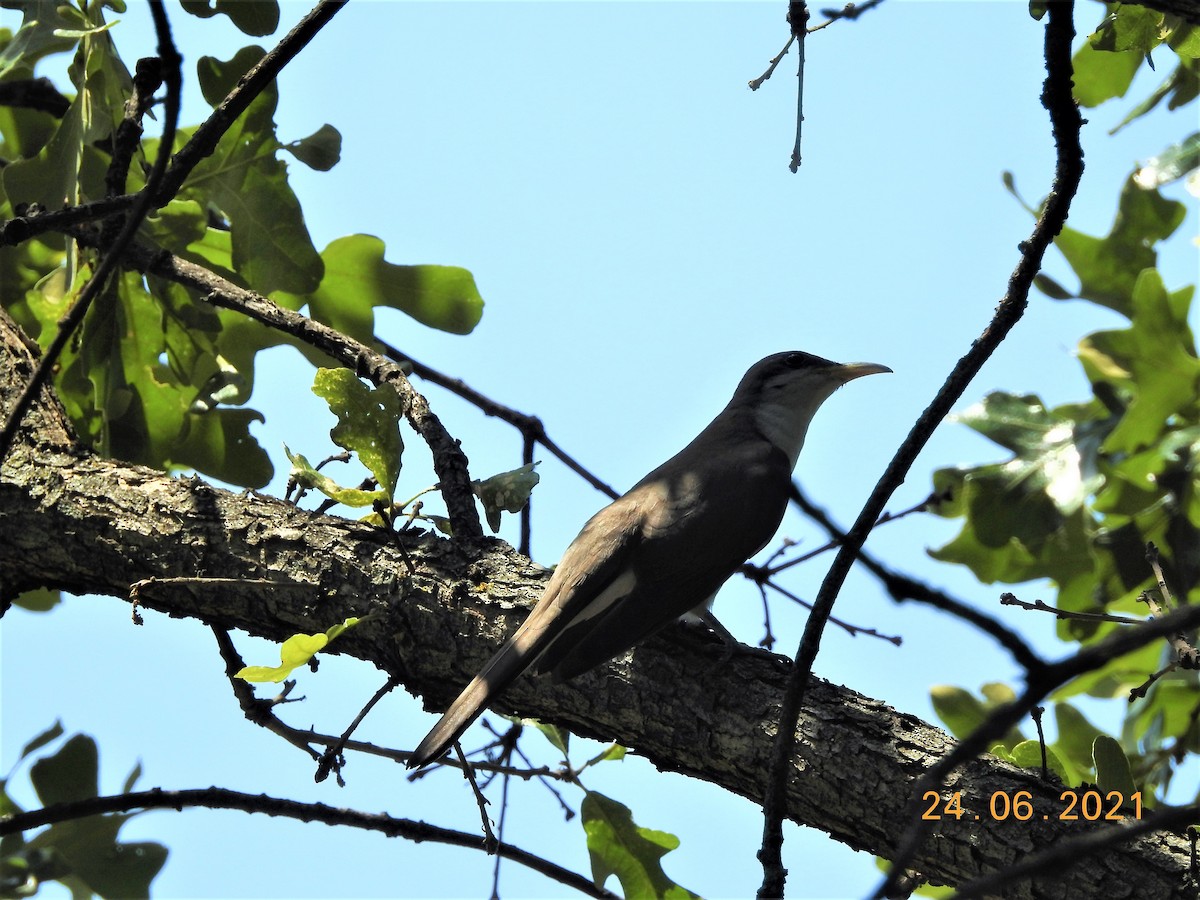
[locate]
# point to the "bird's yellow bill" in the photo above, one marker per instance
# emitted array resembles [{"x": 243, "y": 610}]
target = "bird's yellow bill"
[{"x": 850, "y": 371}]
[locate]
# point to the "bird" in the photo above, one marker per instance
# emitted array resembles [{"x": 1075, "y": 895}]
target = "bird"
[{"x": 662, "y": 550}]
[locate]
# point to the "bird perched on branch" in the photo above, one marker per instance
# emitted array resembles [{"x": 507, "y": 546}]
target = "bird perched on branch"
[{"x": 663, "y": 550}]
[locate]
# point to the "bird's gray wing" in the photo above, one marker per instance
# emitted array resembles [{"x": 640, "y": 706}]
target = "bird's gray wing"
[{"x": 691, "y": 542}]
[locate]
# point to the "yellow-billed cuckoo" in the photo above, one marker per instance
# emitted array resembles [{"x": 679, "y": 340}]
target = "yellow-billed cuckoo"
[{"x": 664, "y": 549}]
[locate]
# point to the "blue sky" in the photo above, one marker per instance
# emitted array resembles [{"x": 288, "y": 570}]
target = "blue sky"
[{"x": 624, "y": 202}]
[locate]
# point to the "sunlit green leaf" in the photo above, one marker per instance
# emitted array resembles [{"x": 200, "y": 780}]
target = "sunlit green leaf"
[
  {"x": 368, "y": 423},
  {"x": 1102, "y": 75},
  {"x": 506, "y": 492},
  {"x": 1108, "y": 267},
  {"x": 1172, "y": 164},
  {"x": 618, "y": 846},
  {"x": 1153, "y": 361},
  {"x": 1129, "y": 27},
  {"x": 1028, "y": 755},
  {"x": 306, "y": 475},
  {"x": 296, "y": 651},
  {"x": 358, "y": 279}
]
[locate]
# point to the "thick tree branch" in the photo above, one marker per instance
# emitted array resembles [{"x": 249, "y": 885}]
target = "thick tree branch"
[{"x": 84, "y": 524}]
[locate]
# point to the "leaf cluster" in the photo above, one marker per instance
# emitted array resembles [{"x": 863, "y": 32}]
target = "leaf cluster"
[
  {"x": 1088, "y": 485},
  {"x": 83, "y": 854},
  {"x": 155, "y": 374}
]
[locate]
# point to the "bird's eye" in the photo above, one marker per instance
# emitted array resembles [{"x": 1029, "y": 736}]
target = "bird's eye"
[{"x": 797, "y": 360}]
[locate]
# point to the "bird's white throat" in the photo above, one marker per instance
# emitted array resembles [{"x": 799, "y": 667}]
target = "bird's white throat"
[{"x": 786, "y": 424}]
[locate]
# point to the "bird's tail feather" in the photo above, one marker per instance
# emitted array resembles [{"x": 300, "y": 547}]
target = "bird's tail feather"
[{"x": 501, "y": 670}]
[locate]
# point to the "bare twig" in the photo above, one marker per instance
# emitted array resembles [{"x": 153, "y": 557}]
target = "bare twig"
[
  {"x": 332, "y": 757},
  {"x": 903, "y": 587},
  {"x": 529, "y": 426},
  {"x": 1010, "y": 599}
]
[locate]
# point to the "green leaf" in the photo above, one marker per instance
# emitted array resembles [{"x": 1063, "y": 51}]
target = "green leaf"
[
  {"x": 1076, "y": 735},
  {"x": 1185, "y": 40},
  {"x": 218, "y": 77},
  {"x": 53, "y": 733},
  {"x": 358, "y": 279},
  {"x": 559, "y": 738},
  {"x": 256, "y": 18},
  {"x": 271, "y": 246},
  {"x": 69, "y": 775},
  {"x": 305, "y": 474},
  {"x": 1129, "y": 27},
  {"x": 1176, "y": 162},
  {"x": 611, "y": 753},
  {"x": 42, "y": 33},
  {"x": 1026, "y": 517},
  {"x": 1112, "y": 767},
  {"x": 39, "y": 600},
  {"x": 1153, "y": 363},
  {"x": 1108, "y": 267},
  {"x": 1051, "y": 288},
  {"x": 1028, "y": 755},
  {"x": 368, "y": 423},
  {"x": 618, "y": 846},
  {"x": 220, "y": 444},
  {"x": 961, "y": 712},
  {"x": 97, "y": 861},
  {"x": 296, "y": 651},
  {"x": 321, "y": 150},
  {"x": 507, "y": 492},
  {"x": 1101, "y": 75},
  {"x": 1181, "y": 86},
  {"x": 132, "y": 778}
]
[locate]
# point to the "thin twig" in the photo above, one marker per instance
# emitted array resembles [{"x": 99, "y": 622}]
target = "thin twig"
[
  {"x": 1010, "y": 599},
  {"x": 798, "y": 18},
  {"x": 852, "y": 630},
  {"x": 332, "y": 756},
  {"x": 219, "y": 798},
  {"x": 902, "y": 587},
  {"x": 529, "y": 426}
]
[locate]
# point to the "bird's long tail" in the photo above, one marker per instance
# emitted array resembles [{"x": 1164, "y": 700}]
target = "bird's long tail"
[{"x": 517, "y": 654}]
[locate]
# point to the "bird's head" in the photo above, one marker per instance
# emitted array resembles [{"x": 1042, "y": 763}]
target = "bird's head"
[{"x": 784, "y": 391}]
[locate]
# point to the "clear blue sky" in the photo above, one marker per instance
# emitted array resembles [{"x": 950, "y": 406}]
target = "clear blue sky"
[{"x": 624, "y": 202}]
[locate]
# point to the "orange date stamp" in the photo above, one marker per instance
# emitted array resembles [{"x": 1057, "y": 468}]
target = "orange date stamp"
[{"x": 1087, "y": 806}]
